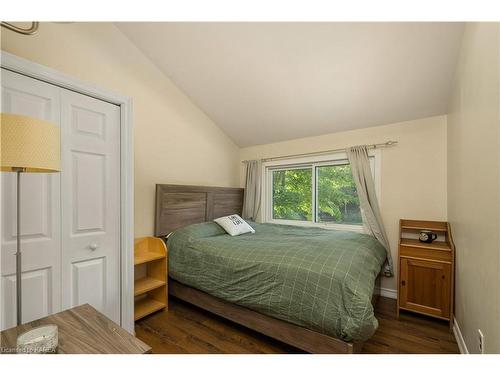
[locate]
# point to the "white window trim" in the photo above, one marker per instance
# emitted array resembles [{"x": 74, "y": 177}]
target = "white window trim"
[{"x": 269, "y": 166}]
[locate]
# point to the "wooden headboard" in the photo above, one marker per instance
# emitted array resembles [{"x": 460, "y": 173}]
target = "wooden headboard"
[{"x": 181, "y": 205}]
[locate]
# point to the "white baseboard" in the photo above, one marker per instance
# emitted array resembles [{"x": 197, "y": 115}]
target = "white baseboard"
[
  {"x": 459, "y": 338},
  {"x": 389, "y": 293}
]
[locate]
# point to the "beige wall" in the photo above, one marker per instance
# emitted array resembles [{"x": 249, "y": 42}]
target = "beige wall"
[
  {"x": 413, "y": 173},
  {"x": 175, "y": 142},
  {"x": 474, "y": 185}
]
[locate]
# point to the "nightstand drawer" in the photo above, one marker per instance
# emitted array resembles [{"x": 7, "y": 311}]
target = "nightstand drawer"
[{"x": 421, "y": 253}]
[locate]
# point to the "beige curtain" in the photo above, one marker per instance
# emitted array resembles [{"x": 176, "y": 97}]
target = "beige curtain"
[
  {"x": 251, "y": 200},
  {"x": 372, "y": 219}
]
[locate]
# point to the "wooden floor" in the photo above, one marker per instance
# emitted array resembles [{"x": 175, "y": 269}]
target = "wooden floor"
[{"x": 188, "y": 329}]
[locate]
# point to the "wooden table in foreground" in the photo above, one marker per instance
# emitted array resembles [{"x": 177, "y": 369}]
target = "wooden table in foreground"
[{"x": 82, "y": 330}]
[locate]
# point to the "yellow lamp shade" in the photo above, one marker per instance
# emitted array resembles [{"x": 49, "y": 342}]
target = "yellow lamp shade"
[{"x": 30, "y": 144}]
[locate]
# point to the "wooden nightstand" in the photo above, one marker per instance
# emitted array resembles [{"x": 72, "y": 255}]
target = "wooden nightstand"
[
  {"x": 426, "y": 270},
  {"x": 150, "y": 291}
]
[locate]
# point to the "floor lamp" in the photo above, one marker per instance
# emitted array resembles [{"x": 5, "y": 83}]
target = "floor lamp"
[{"x": 28, "y": 145}]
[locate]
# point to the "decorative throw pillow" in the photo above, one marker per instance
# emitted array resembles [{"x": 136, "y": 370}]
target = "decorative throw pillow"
[{"x": 234, "y": 225}]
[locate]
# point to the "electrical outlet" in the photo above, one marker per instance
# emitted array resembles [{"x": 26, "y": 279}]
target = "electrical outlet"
[{"x": 481, "y": 341}]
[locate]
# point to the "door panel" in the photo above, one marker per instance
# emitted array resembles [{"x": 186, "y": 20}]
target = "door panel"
[
  {"x": 40, "y": 212},
  {"x": 88, "y": 198},
  {"x": 91, "y": 203},
  {"x": 36, "y": 287},
  {"x": 36, "y": 208},
  {"x": 89, "y": 283},
  {"x": 425, "y": 286}
]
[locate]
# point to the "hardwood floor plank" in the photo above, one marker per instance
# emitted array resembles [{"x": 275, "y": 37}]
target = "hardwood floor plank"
[
  {"x": 251, "y": 340},
  {"x": 158, "y": 343},
  {"x": 188, "y": 329}
]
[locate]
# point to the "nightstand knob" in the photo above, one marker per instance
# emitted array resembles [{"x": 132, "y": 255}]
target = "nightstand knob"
[
  {"x": 93, "y": 246},
  {"x": 403, "y": 282}
]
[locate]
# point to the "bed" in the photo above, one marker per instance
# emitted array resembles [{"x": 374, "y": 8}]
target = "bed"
[{"x": 311, "y": 288}]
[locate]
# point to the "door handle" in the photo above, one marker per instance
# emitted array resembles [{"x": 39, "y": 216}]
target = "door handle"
[{"x": 93, "y": 246}]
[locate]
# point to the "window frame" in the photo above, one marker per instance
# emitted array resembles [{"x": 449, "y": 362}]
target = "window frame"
[{"x": 312, "y": 162}]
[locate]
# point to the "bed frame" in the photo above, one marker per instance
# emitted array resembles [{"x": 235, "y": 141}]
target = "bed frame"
[{"x": 181, "y": 205}]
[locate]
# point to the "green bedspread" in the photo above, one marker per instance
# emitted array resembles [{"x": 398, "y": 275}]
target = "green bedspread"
[{"x": 316, "y": 278}]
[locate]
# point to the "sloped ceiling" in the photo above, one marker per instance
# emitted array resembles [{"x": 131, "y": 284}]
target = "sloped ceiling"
[{"x": 269, "y": 82}]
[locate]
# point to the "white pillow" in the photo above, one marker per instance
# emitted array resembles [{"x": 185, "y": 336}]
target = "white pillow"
[{"x": 234, "y": 225}]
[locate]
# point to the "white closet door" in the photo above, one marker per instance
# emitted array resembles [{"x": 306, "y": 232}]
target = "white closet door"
[
  {"x": 40, "y": 213},
  {"x": 91, "y": 203}
]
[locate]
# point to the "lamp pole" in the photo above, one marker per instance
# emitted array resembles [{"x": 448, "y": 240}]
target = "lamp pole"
[{"x": 18, "y": 252}]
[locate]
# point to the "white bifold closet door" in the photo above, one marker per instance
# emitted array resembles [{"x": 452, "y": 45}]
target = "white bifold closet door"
[
  {"x": 90, "y": 203},
  {"x": 70, "y": 220},
  {"x": 40, "y": 212}
]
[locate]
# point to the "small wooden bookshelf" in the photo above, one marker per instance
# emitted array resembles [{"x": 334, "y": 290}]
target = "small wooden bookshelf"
[{"x": 150, "y": 291}]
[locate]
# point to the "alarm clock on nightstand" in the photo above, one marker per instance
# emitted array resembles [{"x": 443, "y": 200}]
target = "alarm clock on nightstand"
[{"x": 427, "y": 236}]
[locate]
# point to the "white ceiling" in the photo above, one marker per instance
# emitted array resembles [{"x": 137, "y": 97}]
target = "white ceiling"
[{"x": 268, "y": 82}]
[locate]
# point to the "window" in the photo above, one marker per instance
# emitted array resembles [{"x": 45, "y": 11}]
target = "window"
[
  {"x": 314, "y": 192},
  {"x": 292, "y": 194},
  {"x": 337, "y": 199}
]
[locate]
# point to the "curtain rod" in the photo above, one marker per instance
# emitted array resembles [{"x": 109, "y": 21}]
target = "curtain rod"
[{"x": 370, "y": 147}]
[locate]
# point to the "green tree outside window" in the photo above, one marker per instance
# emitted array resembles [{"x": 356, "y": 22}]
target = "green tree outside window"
[{"x": 337, "y": 198}]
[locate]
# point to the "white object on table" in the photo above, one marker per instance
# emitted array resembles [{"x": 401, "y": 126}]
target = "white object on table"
[{"x": 43, "y": 339}]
